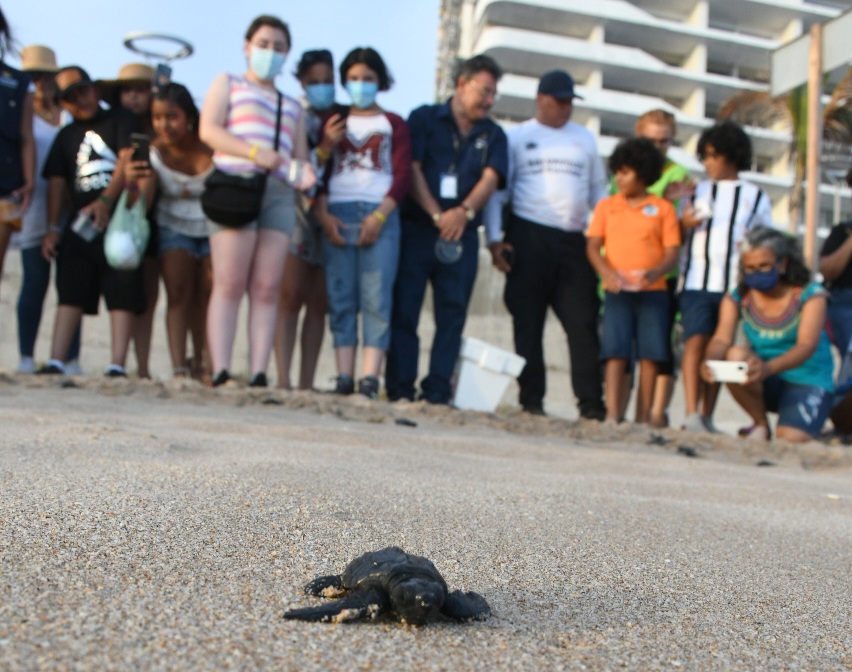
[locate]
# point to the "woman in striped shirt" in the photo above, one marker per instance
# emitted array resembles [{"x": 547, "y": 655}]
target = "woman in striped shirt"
[{"x": 238, "y": 122}]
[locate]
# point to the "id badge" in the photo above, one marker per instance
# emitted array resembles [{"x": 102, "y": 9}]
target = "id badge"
[{"x": 449, "y": 186}]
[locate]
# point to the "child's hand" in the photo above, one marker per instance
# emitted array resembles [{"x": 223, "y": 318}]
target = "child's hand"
[
  {"x": 678, "y": 190},
  {"x": 649, "y": 277},
  {"x": 612, "y": 281}
]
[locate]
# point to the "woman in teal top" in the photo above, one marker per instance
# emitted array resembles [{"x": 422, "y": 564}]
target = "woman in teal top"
[{"x": 788, "y": 354}]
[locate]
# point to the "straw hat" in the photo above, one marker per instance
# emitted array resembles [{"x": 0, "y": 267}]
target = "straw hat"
[
  {"x": 37, "y": 58},
  {"x": 131, "y": 74}
]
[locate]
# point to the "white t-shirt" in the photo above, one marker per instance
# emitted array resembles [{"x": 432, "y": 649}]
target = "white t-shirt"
[
  {"x": 556, "y": 177},
  {"x": 363, "y": 164},
  {"x": 738, "y": 206}
]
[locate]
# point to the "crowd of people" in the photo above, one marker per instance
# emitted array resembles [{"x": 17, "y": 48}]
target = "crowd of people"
[{"x": 358, "y": 210}]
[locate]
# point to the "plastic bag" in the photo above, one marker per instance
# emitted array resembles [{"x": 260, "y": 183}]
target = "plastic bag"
[{"x": 127, "y": 235}]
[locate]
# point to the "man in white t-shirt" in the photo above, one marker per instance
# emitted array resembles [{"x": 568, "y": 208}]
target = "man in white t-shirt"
[{"x": 555, "y": 180}]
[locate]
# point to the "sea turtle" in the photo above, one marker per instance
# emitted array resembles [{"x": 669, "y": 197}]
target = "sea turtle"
[{"x": 389, "y": 580}]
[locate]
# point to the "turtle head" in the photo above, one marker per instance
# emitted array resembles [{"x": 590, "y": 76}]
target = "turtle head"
[{"x": 417, "y": 600}]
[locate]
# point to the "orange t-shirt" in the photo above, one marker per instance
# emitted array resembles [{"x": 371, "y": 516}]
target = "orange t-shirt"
[{"x": 635, "y": 237}]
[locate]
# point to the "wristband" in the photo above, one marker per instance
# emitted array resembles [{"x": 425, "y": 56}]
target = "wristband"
[
  {"x": 382, "y": 217},
  {"x": 253, "y": 152},
  {"x": 103, "y": 198},
  {"x": 322, "y": 155}
]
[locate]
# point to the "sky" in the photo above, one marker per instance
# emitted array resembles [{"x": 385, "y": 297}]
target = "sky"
[{"x": 90, "y": 33}]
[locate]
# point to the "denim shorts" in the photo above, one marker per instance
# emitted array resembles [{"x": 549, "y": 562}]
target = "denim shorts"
[
  {"x": 804, "y": 407},
  {"x": 699, "y": 312},
  {"x": 359, "y": 280},
  {"x": 198, "y": 247},
  {"x": 642, "y": 317}
]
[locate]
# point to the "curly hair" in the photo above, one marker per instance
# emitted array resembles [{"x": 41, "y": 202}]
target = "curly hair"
[
  {"x": 642, "y": 156},
  {"x": 729, "y": 140},
  {"x": 782, "y": 247}
]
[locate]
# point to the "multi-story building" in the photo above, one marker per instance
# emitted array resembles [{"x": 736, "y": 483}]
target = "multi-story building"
[{"x": 629, "y": 56}]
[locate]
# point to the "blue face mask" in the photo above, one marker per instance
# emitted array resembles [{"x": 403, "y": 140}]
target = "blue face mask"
[
  {"x": 762, "y": 281},
  {"x": 363, "y": 94},
  {"x": 266, "y": 63},
  {"x": 320, "y": 96}
]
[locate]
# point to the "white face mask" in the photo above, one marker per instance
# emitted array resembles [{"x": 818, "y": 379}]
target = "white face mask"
[{"x": 266, "y": 63}]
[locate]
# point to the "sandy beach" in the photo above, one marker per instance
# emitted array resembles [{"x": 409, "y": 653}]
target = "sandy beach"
[{"x": 163, "y": 525}]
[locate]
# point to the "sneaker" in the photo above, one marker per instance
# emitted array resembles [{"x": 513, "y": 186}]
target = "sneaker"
[
  {"x": 26, "y": 365},
  {"x": 344, "y": 384},
  {"x": 368, "y": 386},
  {"x": 693, "y": 423},
  {"x": 115, "y": 371},
  {"x": 73, "y": 368},
  {"x": 258, "y": 380},
  {"x": 53, "y": 368},
  {"x": 534, "y": 409},
  {"x": 597, "y": 413},
  {"x": 707, "y": 421},
  {"x": 221, "y": 378}
]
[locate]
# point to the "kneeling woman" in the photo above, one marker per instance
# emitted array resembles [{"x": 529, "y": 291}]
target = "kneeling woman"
[
  {"x": 788, "y": 354},
  {"x": 367, "y": 177}
]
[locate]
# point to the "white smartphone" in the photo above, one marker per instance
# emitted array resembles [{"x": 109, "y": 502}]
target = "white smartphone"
[{"x": 728, "y": 372}]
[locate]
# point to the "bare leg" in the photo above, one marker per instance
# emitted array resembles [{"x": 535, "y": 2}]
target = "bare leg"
[
  {"x": 626, "y": 389},
  {"x": 144, "y": 323},
  {"x": 645, "y": 391},
  {"x": 663, "y": 391},
  {"x": 294, "y": 290},
  {"x": 792, "y": 434},
  {"x": 345, "y": 358},
  {"x": 179, "y": 269},
  {"x": 693, "y": 354},
  {"x": 201, "y": 368},
  {"x": 614, "y": 379},
  {"x": 5, "y": 235},
  {"x": 373, "y": 358},
  {"x": 122, "y": 323},
  {"x": 313, "y": 328},
  {"x": 264, "y": 289},
  {"x": 232, "y": 252},
  {"x": 67, "y": 320}
]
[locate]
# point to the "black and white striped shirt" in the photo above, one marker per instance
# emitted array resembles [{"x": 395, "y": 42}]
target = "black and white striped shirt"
[{"x": 711, "y": 251}]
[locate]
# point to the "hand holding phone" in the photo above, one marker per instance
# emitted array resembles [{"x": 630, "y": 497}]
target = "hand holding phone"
[{"x": 141, "y": 147}]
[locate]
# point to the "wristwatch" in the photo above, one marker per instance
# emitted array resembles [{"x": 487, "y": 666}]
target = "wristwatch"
[
  {"x": 469, "y": 212},
  {"x": 436, "y": 217}
]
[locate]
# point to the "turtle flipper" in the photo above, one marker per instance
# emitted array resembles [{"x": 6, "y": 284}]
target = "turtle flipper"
[
  {"x": 326, "y": 586},
  {"x": 361, "y": 604},
  {"x": 465, "y": 606}
]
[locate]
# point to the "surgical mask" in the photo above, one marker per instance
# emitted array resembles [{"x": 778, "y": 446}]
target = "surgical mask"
[
  {"x": 762, "y": 281},
  {"x": 363, "y": 94},
  {"x": 266, "y": 63},
  {"x": 320, "y": 96}
]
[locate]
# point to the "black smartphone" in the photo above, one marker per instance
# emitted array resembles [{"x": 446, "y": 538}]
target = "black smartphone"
[
  {"x": 162, "y": 75},
  {"x": 342, "y": 110},
  {"x": 140, "y": 144}
]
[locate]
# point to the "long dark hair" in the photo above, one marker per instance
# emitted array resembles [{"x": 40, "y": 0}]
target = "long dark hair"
[
  {"x": 782, "y": 247},
  {"x": 5, "y": 35},
  {"x": 180, "y": 96},
  {"x": 371, "y": 58}
]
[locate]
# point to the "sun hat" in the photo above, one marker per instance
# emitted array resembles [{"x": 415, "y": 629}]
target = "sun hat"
[{"x": 38, "y": 58}]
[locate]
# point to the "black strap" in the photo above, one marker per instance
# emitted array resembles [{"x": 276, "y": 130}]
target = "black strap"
[{"x": 278, "y": 120}]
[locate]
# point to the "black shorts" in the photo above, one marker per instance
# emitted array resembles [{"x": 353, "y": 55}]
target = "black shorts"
[{"x": 83, "y": 274}]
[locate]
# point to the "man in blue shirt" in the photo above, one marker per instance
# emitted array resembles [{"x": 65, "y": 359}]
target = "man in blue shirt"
[{"x": 459, "y": 159}]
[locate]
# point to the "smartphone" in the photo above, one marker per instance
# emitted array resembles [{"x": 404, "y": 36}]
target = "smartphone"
[
  {"x": 342, "y": 110},
  {"x": 162, "y": 75},
  {"x": 84, "y": 226},
  {"x": 140, "y": 143},
  {"x": 728, "y": 372}
]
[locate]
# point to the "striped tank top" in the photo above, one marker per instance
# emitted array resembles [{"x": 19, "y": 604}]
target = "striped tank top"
[{"x": 251, "y": 116}]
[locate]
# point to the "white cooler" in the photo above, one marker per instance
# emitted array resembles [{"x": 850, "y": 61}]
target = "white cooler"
[{"x": 484, "y": 374}]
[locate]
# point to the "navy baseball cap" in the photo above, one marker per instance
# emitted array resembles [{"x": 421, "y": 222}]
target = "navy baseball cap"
[{"x": 557, "y": 83}]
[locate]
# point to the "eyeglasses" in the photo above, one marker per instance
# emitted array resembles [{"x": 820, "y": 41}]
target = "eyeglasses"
[{"x": 484, "y": 92}]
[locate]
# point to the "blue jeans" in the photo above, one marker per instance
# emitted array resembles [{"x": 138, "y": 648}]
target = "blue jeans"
[
  {"x": 36, "y": 280},
  {"x": 840, "y": 315},
  {"x": 360, "y": 279},
  {"x": 452, "y": 285}
]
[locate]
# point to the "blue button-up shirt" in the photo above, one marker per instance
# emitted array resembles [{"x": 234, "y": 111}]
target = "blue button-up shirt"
[{"x": 441, "y": 150}]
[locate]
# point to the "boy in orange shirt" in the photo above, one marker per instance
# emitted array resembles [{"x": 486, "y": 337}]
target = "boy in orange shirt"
[{"x": 641, "y": 235}]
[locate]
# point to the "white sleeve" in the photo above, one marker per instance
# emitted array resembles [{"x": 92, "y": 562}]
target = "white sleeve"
[{"x": 598, "y": 186}]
